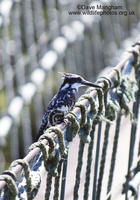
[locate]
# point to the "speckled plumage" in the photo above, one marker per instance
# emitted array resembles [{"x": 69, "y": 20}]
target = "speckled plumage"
[{"x": 63, "y": 101}]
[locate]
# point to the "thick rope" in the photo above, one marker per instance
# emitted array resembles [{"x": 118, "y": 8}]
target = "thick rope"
[
  {"x": 84, "y": 131},
  {"x": 110, "y": 114},
  {"x": 96, "y": 120},
  {"x": 113, "y": 157},
  {"x": 78, "y": 170},
  {"x": 103, "y": 159},
  {"x": 74, "y": 123},
  {"x": 60, "y": 136},
  {"x": 100, "y": 112},
  {"x": 116, "y": 82},
  {"x": 64, "y": 173},
  {"x": 134, "y": 125},
  {"x": 48, "y": 186},
  {"x": 26, "y": 169},
  {"x": 124, "y": 94},
  {"x": 11, "y": 185},
  {"x": 129, "y": 95},
  {"x": 93, "y": 107},
  {"x": 91, "y": 102},
  {"x": 100, "y": 115},
  {"x": 50, "y": 140},
  {"x": 133, "y": 137},
  {"x": 42, "y": 147},
  {"x": 10, "y": 173},
  {"x": 107, "y": 83},
  {"x": 103, "y": 101},
  {"x": 84, "y": 138},
  {"x": 83, "y": 113},
  {"x": 52, "y": 163},
  {"x": 89, "y": 162},
  {"x": 57, "y": 181},
  {"x": 51, "y": 160},
  {"x": 32, "y": 183},
  {"x": 63, "y": 151}
]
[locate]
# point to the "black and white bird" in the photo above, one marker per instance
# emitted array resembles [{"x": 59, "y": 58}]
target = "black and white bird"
[{"x": 63, "y": 101}]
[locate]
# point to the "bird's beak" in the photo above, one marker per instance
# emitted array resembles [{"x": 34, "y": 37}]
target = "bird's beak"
[{"x": 87, "y": 83}]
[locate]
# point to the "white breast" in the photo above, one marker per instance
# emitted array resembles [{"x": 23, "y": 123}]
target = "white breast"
[
  {"x": 65, "y": 86},
  {"x": 75, "y": 85}
]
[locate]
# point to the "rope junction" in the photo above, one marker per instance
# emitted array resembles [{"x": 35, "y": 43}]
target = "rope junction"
[{"x": 91, "y": 110}]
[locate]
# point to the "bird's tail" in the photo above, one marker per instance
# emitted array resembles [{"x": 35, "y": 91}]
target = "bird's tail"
[{"x": 41, "y": 131}]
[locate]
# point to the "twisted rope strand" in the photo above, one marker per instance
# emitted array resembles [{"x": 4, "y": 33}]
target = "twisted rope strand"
[
  {"x": 26, "y": 168},
  {"x": 113, "y": 157},
  {"x": 11, "y": 185},
  {"x": 89, "y": 161},
  {"x": 48, "y": 186}
]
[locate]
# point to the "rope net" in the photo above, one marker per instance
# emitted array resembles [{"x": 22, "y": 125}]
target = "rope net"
[{"x": 94, "y": 156}]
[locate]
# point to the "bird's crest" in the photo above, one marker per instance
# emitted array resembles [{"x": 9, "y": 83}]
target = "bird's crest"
[{"x": 69, "y": 76}]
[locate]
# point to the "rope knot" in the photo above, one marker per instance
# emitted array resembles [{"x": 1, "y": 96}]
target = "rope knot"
[
  {"x": 26, "y": 169},
  {"x": 107, "y": 83},
  {"x": 93, "y": 107},
  {"x": 85, "y": 131},
  {"x": 60, "y": 136},
  {"x": 83, "y": 113},
  {"x": 116, "y": 82},
  {"x": 125, "y": 93},
  {"x": 50, "y": 140},
  {"x": 10, "y": 183},
  {"x": 111, "y": 110},
  {"x": 51, "y": 164},
  {"x": 74, "y": 127},
  {"x": 42, "y": 147}
]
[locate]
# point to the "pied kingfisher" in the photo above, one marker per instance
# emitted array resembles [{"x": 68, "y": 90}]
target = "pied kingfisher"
[{"x": 63, "y": 101}]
